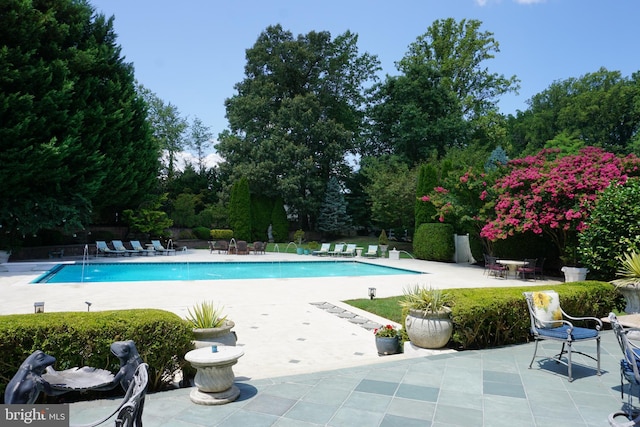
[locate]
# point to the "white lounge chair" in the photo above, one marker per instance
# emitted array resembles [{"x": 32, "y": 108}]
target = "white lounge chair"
[
  {"x": 103, "y": 249},
  {"x": 324, "y": 250},
  {"x": 159, "y": 248},
  {"x": 350, "y": 250},
  {"x": 372, "y": 251},
  {"x": 337, "y": 249}
]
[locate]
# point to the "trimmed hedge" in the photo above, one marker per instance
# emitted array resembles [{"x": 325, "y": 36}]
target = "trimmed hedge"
[
  {"x": 490, "y": 317},
  {"x": 78, "y": 339},
  {"x": 221, "y": 234},
  {"x": 434, "y": 242}
]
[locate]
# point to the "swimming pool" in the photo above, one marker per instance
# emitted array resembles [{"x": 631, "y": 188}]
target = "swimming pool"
[{"x": 150, "y": 272}]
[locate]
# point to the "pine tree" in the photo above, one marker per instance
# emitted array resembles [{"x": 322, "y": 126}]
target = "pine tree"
[
  {"x": 279, "y": 222},
  {"x": 240, "y": 210},
  {"x": 333, "y": 216}
]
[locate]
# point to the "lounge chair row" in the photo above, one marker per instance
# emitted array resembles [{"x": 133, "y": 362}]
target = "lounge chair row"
[
  {"x": 345, "y": 249},
  {"x": 118, "y": 248}
]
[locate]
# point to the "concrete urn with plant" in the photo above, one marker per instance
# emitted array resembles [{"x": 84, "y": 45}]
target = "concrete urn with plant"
[
  {"x": 629, "y": 282},
  {"x": 383, "y": 242},
  {"x": 210, "y": 326},
  {"x": 428, "y": 318}
]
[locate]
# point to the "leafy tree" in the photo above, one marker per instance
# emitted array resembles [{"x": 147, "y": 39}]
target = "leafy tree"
[
  {"x": 168, "y": 129},
  {"x": 612, "y": 229},
  {"x": 240, "y": 210},
  {"x": 184, "y": 210},
  {"x": 199, "y": 140},
  {"x": 457, "y": 51},
  {"x": 554, "y": 195},
  {"x": 74, "y": 143},
  {"x": 148, "y": 219},
  {"x": 391, "y": 190},
  {"x": 599, "y": 109},
  {"x": 333, "y": 216},
  {"x": 295, "y": 115}
]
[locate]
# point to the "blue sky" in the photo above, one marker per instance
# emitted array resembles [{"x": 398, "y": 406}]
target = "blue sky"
[{"x": 192, "y": 53}]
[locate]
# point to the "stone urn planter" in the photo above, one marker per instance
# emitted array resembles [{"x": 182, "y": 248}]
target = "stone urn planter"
[
  {"x": 4, "y": 256},
  {"x": 223, "y": 335},
  {"x": 574, "y": 274},
  {"x": 429, "y": 329},
  {"x": 629, "y": 282}
]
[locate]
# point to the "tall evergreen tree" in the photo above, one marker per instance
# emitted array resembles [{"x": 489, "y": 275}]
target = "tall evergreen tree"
[
  {"x": 240, "y": 210},
  {"x": 74, "y": 143},
  {"x": 279, "y": 222},
  {"x": 333, "y": 216}
]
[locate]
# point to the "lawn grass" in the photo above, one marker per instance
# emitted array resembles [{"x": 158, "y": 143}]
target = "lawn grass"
[{"x": 389, "y": 308}]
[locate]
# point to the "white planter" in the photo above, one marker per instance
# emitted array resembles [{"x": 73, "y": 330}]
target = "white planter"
[
  {"x": 574, "y": 274},
  {"x": 429, "y": 330},
  {"x": 219, "y": 336},
  {"x": 632, "y": 297}
]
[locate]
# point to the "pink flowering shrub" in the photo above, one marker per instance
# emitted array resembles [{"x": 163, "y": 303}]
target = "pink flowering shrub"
[{"x": 554, "y": 195}]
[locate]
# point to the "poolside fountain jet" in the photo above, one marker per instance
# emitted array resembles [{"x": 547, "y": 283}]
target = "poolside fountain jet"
[
  {"x": 286, "y": 251},
  {"x": 85, "y": 257}
]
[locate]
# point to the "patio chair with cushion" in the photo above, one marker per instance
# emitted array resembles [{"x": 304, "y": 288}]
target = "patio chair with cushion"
[
  {"x": 258, "y": 247},
  {"x": 528, "y": 270},
  {"x": 550, "y": 322},
  {"x": 242, "y": 247},
  {"x": 492, "y": 268},
  {"x": 629, "y": 371}
]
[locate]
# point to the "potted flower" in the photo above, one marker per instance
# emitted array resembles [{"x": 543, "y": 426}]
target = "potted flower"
[
  {"x": 387, "y": 339},
  {"x": 210, "y": 326},
  {"x": 298, "y": 235},
  {"x": 629, "y": 282},
  {"x": 383, "y": 242},
  {"x": 428, "y": 318}
]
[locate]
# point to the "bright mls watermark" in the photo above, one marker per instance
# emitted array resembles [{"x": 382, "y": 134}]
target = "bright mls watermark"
[{"x": 34, "y": 415}]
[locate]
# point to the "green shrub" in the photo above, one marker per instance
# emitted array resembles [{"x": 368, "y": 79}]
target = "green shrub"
[
  {"x": 221, "y": 234},
  {"x": 202, "y": 233},
  {"x": 613, "y": 229},
  {"x": 186, "y": 235},
  {"x": 79, "y": 339},
  {"x": 434, "y": 242}
]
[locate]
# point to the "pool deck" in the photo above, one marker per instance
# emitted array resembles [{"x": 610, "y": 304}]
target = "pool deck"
[{"x": 307, "y": 362}]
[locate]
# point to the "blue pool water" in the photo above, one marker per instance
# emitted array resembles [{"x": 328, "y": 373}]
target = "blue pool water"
[{"x": 149, "y": 272}]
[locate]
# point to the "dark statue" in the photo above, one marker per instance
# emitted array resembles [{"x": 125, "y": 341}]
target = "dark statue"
[
  {"x": 27, "y": 383},
  {"x": 36, "y": 375}
]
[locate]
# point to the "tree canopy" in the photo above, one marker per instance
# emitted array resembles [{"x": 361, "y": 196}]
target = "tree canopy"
[{"x": 295, "y": 116}]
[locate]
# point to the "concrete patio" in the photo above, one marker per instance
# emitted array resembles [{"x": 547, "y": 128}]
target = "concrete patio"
[{"x": 304, "y": 365}]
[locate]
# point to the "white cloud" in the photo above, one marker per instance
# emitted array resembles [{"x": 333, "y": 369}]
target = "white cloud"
[{"x": 184, "y": 157}]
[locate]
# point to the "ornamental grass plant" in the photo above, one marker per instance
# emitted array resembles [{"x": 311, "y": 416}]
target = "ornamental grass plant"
[{"x": 206, "y": 315}]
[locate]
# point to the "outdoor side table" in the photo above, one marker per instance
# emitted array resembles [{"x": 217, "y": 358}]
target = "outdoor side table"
[{"x": 214, "y": 377}]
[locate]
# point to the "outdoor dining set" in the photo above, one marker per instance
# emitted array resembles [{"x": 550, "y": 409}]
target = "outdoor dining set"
[{"x": 528, "y": 268}]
